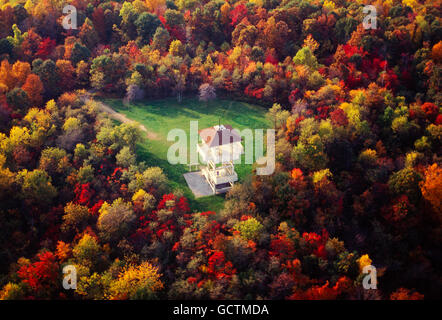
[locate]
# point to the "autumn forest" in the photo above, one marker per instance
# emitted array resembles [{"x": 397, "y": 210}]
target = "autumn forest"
[{"x": 358, "y": 175}]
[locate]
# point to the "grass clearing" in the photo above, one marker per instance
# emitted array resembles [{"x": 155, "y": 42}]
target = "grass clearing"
[{"x": 161, "y": 116}]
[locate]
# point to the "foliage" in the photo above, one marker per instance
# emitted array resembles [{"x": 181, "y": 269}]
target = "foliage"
[
  {"x": 358, "y": 129},
  {"x": 137, "y": 282}
]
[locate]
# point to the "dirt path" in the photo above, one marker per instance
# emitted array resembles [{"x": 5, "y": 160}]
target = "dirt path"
[{"x": 121, "y": 117}]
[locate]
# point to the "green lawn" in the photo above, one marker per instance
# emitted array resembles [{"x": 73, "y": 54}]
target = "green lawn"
[{"x": 161, "y": 116}]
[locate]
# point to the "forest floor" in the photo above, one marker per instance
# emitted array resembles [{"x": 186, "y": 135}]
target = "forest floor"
[{"x": 158, "y": 117}]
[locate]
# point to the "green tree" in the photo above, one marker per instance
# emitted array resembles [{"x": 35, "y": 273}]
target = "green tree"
[
  {"x": 310, "y": 154},
  {"x": 160, "y": 39},
  {"x": 48, "y": 74},
  {"x": 174, "y": 18},
  {"x": 406, "y": 181},
  {"x": 36, "y": 186},
  {"x": 146, "y": 24},
  {"x": 87, "y": 251},
  {"x": 277, "y": 115},
  {"x": 249, "y": 229},
  {"x": 6, "y": 46},
  {"x": 79, "y": 53},
  {"x": 18, "y": 99},
  {"x": 126, "y": 157},
  {"x": 85, "y": 174},
  {"x": 306, "y": 57},
  {"x": 151, "y": 179},
  {"x": 129, "y": 15}
]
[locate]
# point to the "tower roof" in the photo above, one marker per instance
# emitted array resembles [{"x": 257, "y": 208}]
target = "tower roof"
[{"x": 219, "y": 135}]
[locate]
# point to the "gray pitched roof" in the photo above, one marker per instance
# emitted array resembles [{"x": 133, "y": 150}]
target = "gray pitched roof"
[{"x": 217, "y": 136}]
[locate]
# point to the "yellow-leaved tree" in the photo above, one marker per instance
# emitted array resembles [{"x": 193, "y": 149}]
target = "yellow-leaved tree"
[
  {"x": 431, "y": 187},
  {"x": 137, "y": 282},
  {"x": 364, "y": 261}
]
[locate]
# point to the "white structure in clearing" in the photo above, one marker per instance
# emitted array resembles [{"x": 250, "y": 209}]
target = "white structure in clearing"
[{"x": 220, "y": 147}]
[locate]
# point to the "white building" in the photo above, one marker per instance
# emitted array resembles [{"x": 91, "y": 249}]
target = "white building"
[{"x": 220, "y": 147}]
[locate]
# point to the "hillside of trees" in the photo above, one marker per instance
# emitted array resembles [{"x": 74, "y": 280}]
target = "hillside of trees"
[{"x": 358, "y": 178}]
